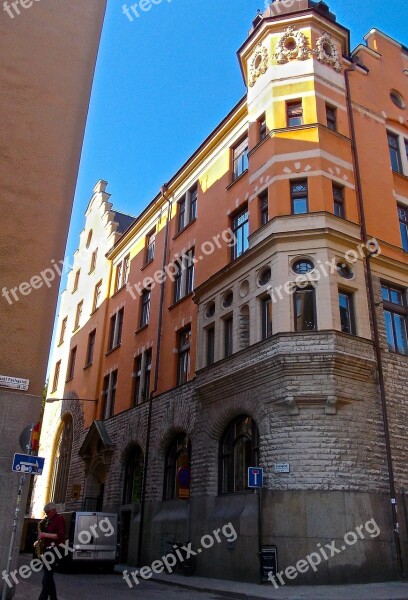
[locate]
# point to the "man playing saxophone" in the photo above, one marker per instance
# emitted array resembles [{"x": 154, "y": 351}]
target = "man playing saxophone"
[{"x": 52, "y": 534}]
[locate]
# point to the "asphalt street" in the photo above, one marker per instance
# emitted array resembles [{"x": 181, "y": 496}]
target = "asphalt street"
[{"x": 94, "y": 586}]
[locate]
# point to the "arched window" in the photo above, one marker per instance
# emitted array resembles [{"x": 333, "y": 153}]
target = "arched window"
[
  {"x": 61, "y": 463},
  {"x": 239, "y": 449},
  {"x": 177, "y": 468},
  {"x": 132, "y": 490}
]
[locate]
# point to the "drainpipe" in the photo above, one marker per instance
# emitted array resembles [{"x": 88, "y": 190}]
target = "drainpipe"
[
  {"x": 156, "y": 379},
  {"x": 373, "y": 313}
]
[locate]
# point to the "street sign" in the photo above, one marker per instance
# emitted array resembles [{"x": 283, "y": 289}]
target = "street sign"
[
  {"x": 255, "y": 477},
  {"x": 14, "y": 383},
  {"x": 24, "y": 463},
  {"x": 282, "y": 468}
]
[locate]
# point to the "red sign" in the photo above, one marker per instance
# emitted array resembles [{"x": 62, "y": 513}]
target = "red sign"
[{"x": 35, "y": 437}]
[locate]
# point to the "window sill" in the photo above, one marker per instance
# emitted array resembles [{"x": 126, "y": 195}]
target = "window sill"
[
  {"x": 229, "y": 186},
  {"x": 402, "y": 175},
  {"x": 112, "y": 350},
  {"x": 142, "y": 328},
  {"x": 94, "y": 311},
  {"x": 147, "y": 264},
  {"x": 75, "y": 329},
  {"x": 69, "y": 379},
  {"x": 180, "y": 301},
  {"x": 184, "y": 228},
  {"x": 87, "y": 366}
]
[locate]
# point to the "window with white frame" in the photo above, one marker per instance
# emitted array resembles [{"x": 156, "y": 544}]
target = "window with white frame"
[
  {"x": 396, "y": 146},
  {"x": 240, "y": 158},
  {"x": 109, "y": 394},
  {"x": 122, "y": 273},
  {"x": 141, "y": 377},
  {"x": 115, "y": 331},
  {"x": 184, "y": 276},
  {"x": 187, "y": 207}
]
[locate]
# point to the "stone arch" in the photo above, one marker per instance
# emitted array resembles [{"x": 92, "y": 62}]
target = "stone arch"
[{"x": 60, "y": 469}]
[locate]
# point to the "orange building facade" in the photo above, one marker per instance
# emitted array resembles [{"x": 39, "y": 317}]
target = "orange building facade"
[{"x": 253, "y": 315}]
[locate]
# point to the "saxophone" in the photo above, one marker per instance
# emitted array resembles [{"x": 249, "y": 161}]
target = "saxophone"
[{"x": 39, "y": 545}]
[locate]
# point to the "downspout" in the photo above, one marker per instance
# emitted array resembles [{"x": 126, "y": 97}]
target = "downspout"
[
  {"x": 377, "y": 345},
  {"x": 156, "y": 379}
]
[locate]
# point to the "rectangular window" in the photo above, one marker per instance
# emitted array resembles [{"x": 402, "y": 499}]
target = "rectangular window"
[
  {"x": 240, "y": 228},
  {"x": 240, "y": 158},
  {"x": 150, "y": 245},
  {"x": 305, "y": 309},
  {"x": 115, "y": 331},
  {"x": 178, "y": 282},
  {"x": 145, "y": 308},
  {"x": 97, "y": 296},
  {"x": 263, "y": 207},
  {"x": 347, "y": 319},
  {"x": 76, "y": 281},
  {"x": 109, "y": 394},
  {"x": 210, "y": 334},
  {"x": 395, "y": 315},
  {"x": 56, "y": 376},
  {"x": 189, "y": 260},
  {"x": 228, "y": 336},
  {"x": 137, "y": 379},
  {"x": 266, "y": 308},
  {"x": 126, "y": 269},
  {"x": 395, "y": 153},
  {"x": 294, "y": 113},
  {"x": 146, "y": 375},
  {"x": 262, "y": 129},
  {"x": 338, "y": 200},
  {"x": 184, "y": 276},
  {"x": 91, "y": 347},
  {"x": 406, "y": 148},
  {"x": 192, "y": 197},
  {"x": 78, "y": 315},
  {"x": 182, "y": 213},
  {"x": 71, "y": 364},
  {"x": 93, "y": 260},
  {"x": 331, "y": 116},
  {"x": 63, "y": 330},
  {"x": 299, "y": 197},
  {"x": 187, "y": 207},
  {"x": 183, "y": 359},
  {"x": 403, "y": 222}
]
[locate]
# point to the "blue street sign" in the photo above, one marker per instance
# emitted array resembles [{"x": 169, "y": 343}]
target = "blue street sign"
[
  {"x": 25, "y": 463},
  {"x": 255, "y": 477}
]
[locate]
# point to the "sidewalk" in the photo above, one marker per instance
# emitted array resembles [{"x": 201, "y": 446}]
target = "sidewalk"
[{"x": 394, "y": 590}]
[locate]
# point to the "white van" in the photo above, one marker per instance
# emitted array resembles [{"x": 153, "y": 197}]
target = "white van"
[{"x": 93, "y": 536}]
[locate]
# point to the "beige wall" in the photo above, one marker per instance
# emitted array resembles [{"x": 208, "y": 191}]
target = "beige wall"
[
  {"x": 47, "y": 59},
  {"x": 47, "y": 62}
]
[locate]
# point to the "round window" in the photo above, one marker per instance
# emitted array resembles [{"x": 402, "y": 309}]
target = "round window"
[
  {"x": 210, "y": 309},
  {"x": 397, "y": 99},
  {"x": 265, "y": 276},
  {"x": 328, "y": 49},
  {"x": 290, "y": 44},
  {"x": 302, "y": 267},
  {"x": 228, "y": 299},
  {"x": 344, "y": 270},
  {"x": 258, "y": 61}
]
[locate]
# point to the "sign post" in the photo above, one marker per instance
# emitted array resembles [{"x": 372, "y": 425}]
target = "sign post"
[{"x": 23, "y": 464}]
